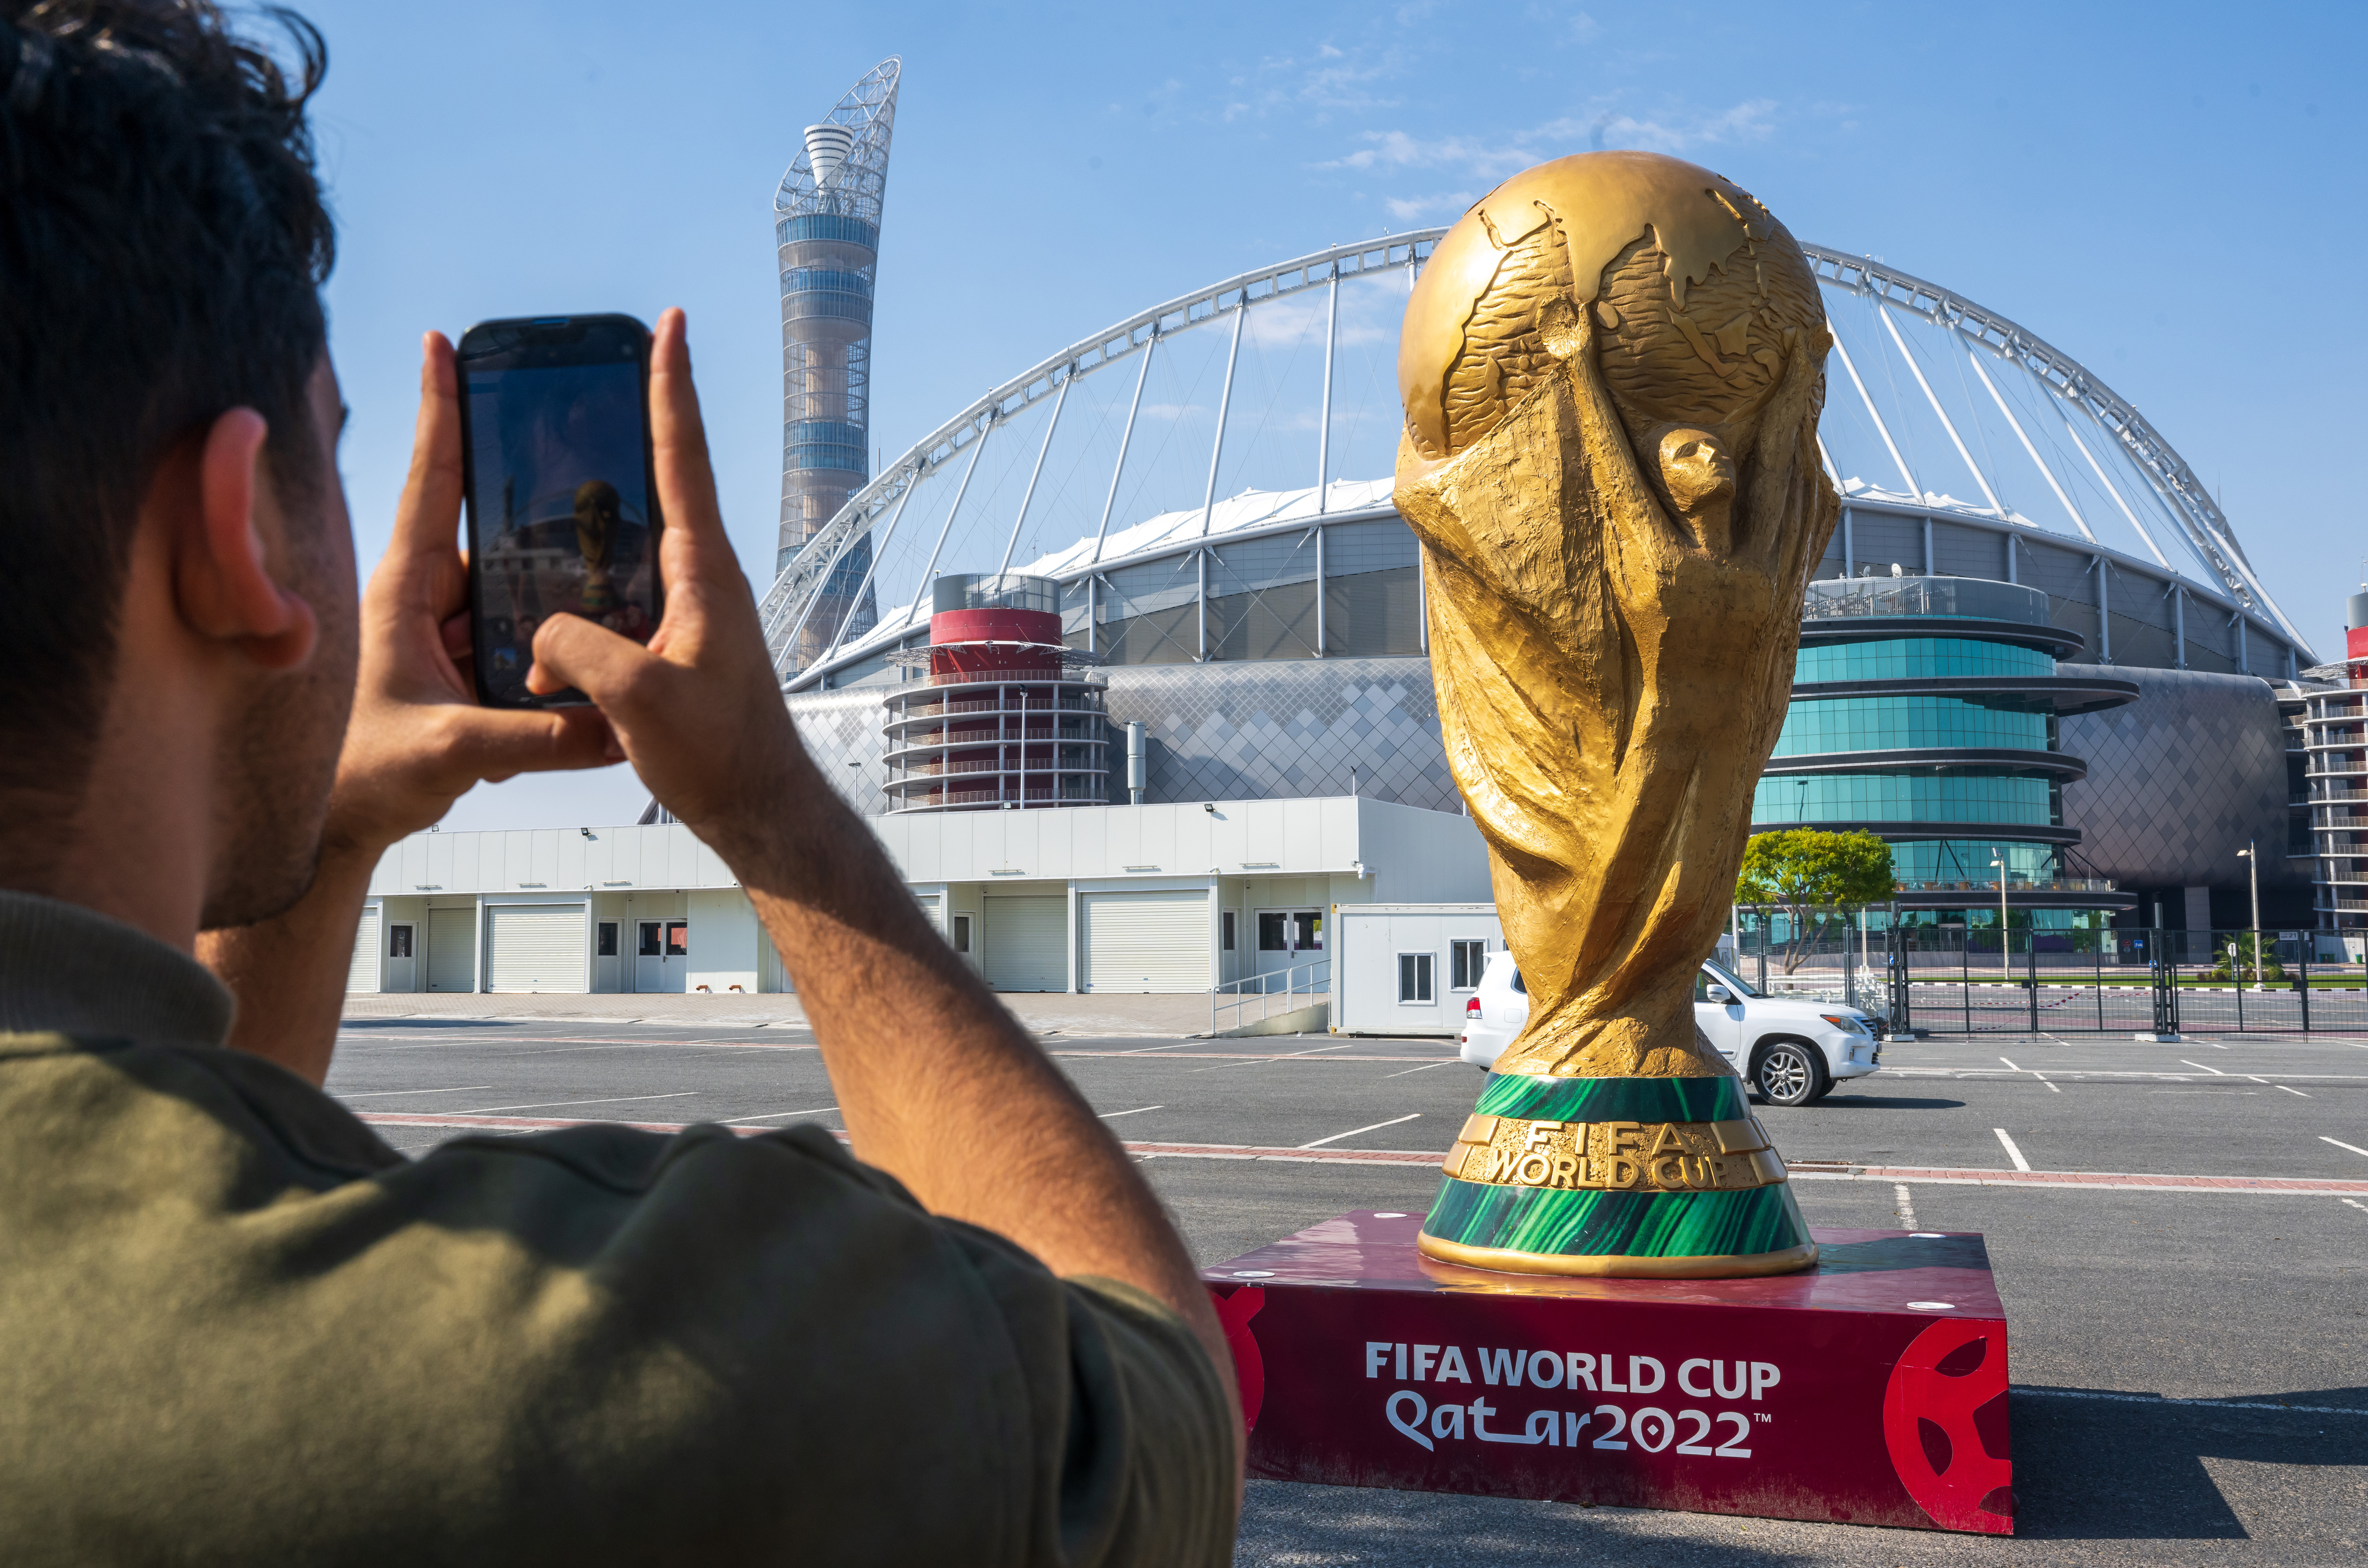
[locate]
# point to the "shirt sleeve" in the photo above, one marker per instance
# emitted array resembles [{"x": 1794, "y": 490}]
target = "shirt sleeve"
[
  {"x": 605, "y": 1345},
  {"x": 1144, "y": 1472}
]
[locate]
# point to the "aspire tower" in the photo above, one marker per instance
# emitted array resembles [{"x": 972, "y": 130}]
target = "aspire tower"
[{"x": 826, "y": 225}]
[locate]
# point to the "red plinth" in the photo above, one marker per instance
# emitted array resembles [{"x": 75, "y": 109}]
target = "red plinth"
[{"x": 1872, "y": 1388}]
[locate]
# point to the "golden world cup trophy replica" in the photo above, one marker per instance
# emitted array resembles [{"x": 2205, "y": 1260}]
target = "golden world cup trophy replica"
[{"x": 1613, "y": 368}]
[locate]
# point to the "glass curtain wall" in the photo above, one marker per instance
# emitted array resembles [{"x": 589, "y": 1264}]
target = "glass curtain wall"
[{"x": 1261, "y": 599}]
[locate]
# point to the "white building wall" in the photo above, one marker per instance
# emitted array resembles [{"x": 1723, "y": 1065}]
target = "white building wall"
[
  {"x": 725, "y": 954},
  {"x": 1255, "y": 854},
  {"x": 1368, "y": 940}
]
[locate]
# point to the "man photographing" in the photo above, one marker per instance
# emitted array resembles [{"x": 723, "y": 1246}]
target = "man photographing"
[{"x": 240, "y": 1328}]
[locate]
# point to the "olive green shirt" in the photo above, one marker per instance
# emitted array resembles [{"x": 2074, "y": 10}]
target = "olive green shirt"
[{"x": 236, "y": 1327}]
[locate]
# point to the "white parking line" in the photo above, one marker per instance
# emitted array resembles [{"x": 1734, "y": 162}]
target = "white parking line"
[
  {"x": 773, "y": 1115},
  {"x": 1286, "y": 1056},
  {"x": 380, "y": 1093},
  {"x": 2011, "y": 1152},
  {"x": 1906, "y": 1204},
  {"x": 1136, "y": 1112},
  {"x": 2342, "y": 1145},
  {"x": 2297, "y": 1091},
  {"x": 547, "y": 1105},
  {"x": 1354, "y": 1130},
  {"x": 2357, "y": 1204},
  {"x": 1450, "y": 1061},
  {"x": 2200, "y": 1068}
]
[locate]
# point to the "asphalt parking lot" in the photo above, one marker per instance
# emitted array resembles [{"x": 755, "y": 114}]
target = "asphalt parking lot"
[{"x": 2179, "y": 1232}]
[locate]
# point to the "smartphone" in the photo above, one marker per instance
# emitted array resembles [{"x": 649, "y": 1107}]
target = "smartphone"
[{"x": 556, "y": 477}]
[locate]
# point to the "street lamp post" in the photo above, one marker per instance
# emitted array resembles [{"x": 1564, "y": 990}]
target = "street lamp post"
[
  {"x": 2253, "y": 870},
  {"x": 2006, "y": 958}
]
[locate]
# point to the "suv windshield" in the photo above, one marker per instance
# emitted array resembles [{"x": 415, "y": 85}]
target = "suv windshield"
[{"x": 1726, "y": 977}]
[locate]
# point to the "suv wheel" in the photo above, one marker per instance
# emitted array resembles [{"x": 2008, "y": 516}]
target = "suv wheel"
[{"x": 1789, "y": 1073}]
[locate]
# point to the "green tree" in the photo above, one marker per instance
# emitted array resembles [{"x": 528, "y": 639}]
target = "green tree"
[
  {"x": 1811, "y": 877},
  {"x": 2244, "y": 968}
]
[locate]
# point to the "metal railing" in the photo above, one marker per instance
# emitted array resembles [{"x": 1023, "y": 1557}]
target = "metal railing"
[
  {"x": 2016, "y": 885},
  {"x": 1968, "y": 597},
  {"x": 930, "y": 741},
  {"x": 1016, "y": 676},
  {"x": 1086, "y": 795},
  {"x": 1297, "y": 985},
  {"x": 941, "y": 769},
  {"x": 1024, "y": 702},
  {"x": 1947, "y": 980}
]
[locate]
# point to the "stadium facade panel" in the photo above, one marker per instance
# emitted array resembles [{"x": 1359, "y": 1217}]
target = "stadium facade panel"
[{"x": 2182, "y": 779}]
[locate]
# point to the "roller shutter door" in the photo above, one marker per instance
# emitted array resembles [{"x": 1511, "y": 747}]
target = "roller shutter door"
[
  {"x": 452, "y": 949},
  {"x": 535, "y": 946},
  {"x": 362, "y": 973},
  {"x": 1144, "y": 941},
  {"x": 1027, "y": 943}
]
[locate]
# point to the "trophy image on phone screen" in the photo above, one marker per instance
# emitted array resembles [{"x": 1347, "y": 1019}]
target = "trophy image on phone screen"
[
  {"x": 1612, "y": 370},
  {"x": 597, "y": 525}
]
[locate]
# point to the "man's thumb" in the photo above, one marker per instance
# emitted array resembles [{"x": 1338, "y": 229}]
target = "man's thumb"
[{"x": 572, "y": 650}]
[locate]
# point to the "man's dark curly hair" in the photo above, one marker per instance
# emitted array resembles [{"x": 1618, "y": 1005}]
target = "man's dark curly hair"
[{"x": 163, "y": 243}]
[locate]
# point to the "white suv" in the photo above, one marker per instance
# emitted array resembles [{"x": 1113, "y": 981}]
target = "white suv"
[{"x": 1789, "y": 1053}]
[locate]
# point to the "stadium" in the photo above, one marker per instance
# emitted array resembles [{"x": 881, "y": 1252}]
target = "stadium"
[
  {"x": 1126, "y": 661},
  {"x": 1204, "y": 489}
]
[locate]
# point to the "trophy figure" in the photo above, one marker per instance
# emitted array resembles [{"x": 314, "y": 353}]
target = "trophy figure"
[
  {"x": 1613, "y": 368},
  {"x": 599, "y": 521}
]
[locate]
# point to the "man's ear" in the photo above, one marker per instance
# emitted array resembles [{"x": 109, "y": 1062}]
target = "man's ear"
[{"x": 221, "y": 576}]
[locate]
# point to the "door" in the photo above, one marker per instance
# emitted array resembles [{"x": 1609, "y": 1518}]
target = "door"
[
  {"x": 361, "y": 975},
  {"x": 1289, "y": 939},
  {"x": 1143, "y": 941},
  {"x": 1025, "y": 942},
  {"x": 402, "y": 968},
  {"x": 661, "y": 955},
  {"x": 535, "y": 946},
  {"x": 452, "y": 949},
  {"x": 608, "y": 959},
  {"x": 1722, "y": 1023}
]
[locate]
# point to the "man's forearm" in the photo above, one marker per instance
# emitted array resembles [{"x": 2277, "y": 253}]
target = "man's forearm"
[
  {"x": 288, "y": 973},
  {"x": 938, "y": 1085}
]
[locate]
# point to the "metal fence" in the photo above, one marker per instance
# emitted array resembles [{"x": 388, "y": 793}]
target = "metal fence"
[{"x": 1952, "y": 979}]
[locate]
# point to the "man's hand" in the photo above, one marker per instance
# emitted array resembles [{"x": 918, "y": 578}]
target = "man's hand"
[
  {"x": 418, "y": 740},
  {"x": 698, "y": 710}
]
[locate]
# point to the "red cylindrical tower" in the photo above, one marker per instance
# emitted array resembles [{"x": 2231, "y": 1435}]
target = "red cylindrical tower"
[{"x": 1004, "y": 716}]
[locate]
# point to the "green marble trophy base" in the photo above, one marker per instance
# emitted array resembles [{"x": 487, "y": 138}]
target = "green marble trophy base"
[{"x": 1623, "y": 1178}]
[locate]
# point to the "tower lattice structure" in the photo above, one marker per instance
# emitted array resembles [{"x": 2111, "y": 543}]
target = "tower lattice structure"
[{"x": 827, "y": 223}]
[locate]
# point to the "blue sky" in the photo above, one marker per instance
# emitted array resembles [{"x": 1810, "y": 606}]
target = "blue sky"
[{"x": 2168, "y": 193}]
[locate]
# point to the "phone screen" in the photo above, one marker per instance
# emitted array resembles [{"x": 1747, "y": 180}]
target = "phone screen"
[{"x": 559, "y": 494}]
